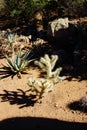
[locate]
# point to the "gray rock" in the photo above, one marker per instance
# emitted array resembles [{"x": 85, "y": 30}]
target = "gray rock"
[{"x": 56, "y": 25}]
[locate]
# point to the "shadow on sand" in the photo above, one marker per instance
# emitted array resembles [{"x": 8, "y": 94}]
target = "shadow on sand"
[
  {"x": 19, "y": 97},
  {"x": 80, "y": 105},
  {"x": 32, "y": 123}
]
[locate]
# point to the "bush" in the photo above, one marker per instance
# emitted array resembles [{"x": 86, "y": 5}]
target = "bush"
[
  {"x": 23, "y": 9},
  {"x": 72, "y": 8}
]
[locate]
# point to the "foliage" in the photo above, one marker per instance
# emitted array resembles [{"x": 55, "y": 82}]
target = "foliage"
[
  {"x": 81, "y": 27},
  {"x": 72, "y": 8},
  {"x": 24, "y": 8},
  {"x": 18, "y": 63},
  {"x": 11, "y": 38},
  {"x": 1, "y": 4},
  {"x": 51, "y": 10}
]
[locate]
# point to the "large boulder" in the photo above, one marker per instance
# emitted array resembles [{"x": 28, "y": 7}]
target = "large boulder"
[
  {"x": 58, "y": 33},
  {"x": 57, "y": 25}
]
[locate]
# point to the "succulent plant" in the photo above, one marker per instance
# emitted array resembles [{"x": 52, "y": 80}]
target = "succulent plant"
[
  {"x": 40, "y": 86},
  {"x": 18, "y": 63},
  {"x": 11, "y": 37},
  {"x": 47, "y": 65}
]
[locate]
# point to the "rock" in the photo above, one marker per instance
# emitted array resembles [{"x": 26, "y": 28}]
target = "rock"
[{"x": 56, "y": 25}]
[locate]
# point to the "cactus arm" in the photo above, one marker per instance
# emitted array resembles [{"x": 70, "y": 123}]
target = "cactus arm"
[
  {"x": 47, "y": 64},
  {"x": 40, "y": 86},
  {"x": 54, "y": 59},
  {"x": 46, "y": 57},
  {"x": 39, "y": 64}
]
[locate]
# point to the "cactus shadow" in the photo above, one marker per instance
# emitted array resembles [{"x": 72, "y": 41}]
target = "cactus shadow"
[
  {"x": 8, "y": 73},
  {"x": 19, "y": 97},
  {"x": 5, "y": 74}
]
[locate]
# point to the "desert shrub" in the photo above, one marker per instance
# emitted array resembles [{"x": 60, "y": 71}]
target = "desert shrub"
[
  {"x": 72, "y": 8},
  {"x": 51, "y": 10},
  {"x": 24, "y": 9},
  {"x": 1, "y": 4}
]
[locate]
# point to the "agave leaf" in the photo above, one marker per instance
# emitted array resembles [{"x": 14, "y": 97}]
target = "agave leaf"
[
  {"x": 10, "y": 64},
  {"x": 26, "y": 55},
  {"x": 23, "y": 65},
  {"x": 18, "y": 58},
  {"x": 9, "y": 68},
  {"x": 30, "y": 60},
  {"x": 16, "y": 67},
  {"x": 14, "y": 70},
  {"x": 22, "y": 62},
  {"x": 13, "y": 53}
]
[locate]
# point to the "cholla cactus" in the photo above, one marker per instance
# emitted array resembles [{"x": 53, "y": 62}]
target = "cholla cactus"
[
  {"x": 40, "y": 86},
  {"x": 38, "y": 42},
  {"x": 47, "y": 64}
]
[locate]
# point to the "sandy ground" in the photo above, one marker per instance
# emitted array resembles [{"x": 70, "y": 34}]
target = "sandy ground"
[
  {"x": 18, "y": 111},
  {"x": 15, "y": 101}
]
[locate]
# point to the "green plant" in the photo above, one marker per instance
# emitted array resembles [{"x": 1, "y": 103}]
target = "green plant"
[
  {"x": 81, "y": 27},
  {"x": 23, "y": 9},
  {"x": 1, "y": 4},
  {"x": 11, "y": 39},
  {"x": 18, "y": 64},
  {"x": 72, "y": 8}
]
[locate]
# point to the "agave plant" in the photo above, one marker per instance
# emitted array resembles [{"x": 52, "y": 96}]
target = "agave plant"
[{"x": 18, "y": 63}]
